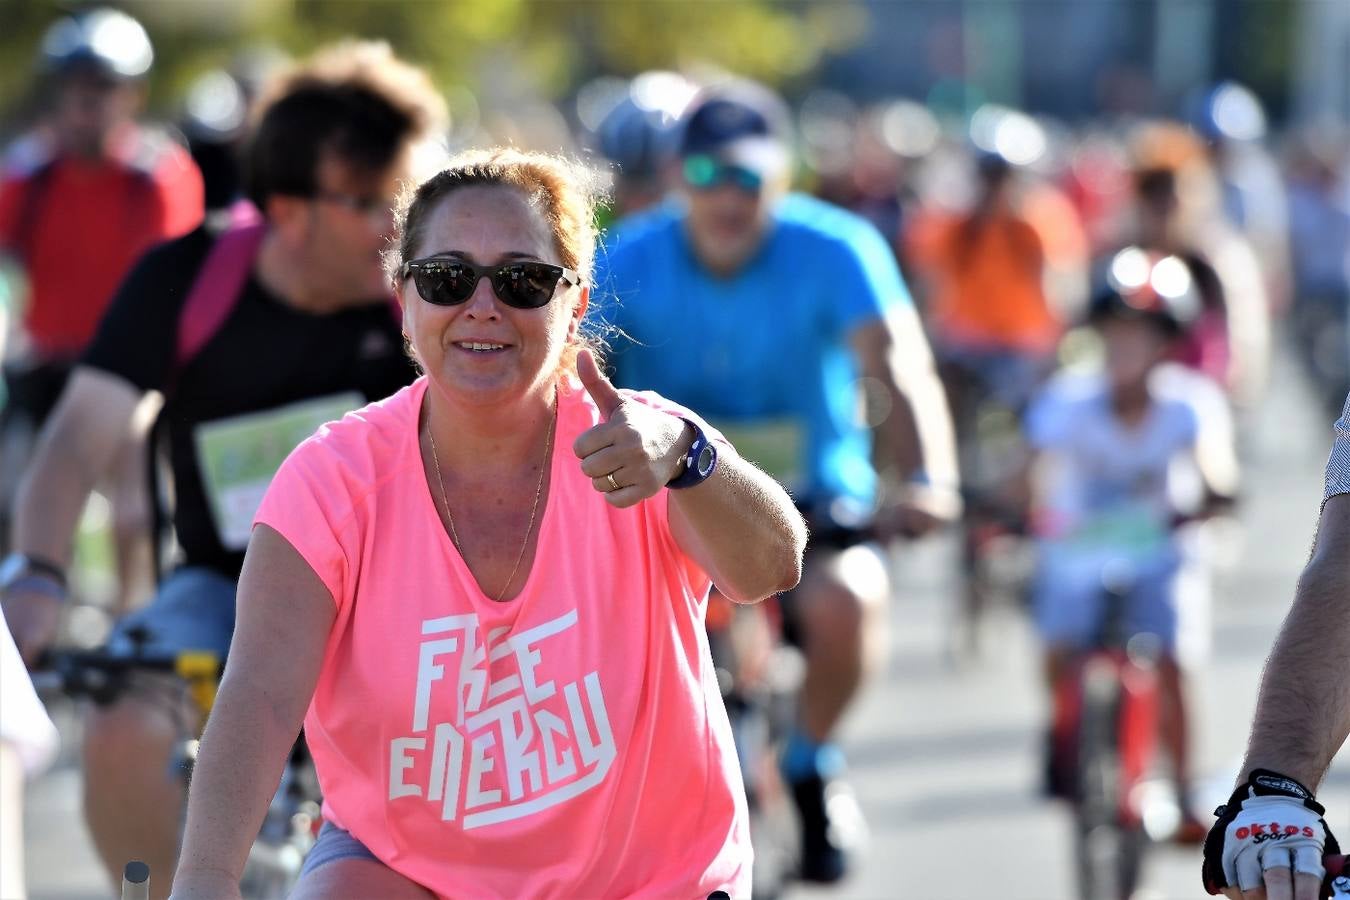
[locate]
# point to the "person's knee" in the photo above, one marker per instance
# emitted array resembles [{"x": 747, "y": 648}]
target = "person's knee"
[
  {"x": 126, "y": 736},
  {"x": 844, "y": 596},
  {"x": 832, "y": 609}
]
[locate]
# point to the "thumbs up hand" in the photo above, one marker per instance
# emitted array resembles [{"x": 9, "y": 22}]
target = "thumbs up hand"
[
  {"x": 605, "y": 394},
  {"x": 635, "y": 450}
]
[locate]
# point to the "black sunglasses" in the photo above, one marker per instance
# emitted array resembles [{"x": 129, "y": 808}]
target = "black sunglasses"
[{"x": 525, "y": 285}]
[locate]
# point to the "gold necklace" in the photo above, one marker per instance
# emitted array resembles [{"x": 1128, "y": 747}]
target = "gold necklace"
[{"x": 538, "y": 492}]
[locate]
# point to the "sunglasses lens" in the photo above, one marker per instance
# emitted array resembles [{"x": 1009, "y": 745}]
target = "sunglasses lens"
[
  {"x": 527, "y": 285},
  {"x": 701, "y": 171},
  {"x": 745, "y": 179},
  {"x": 522, "y": 285},
  {"x": 444, "y": 284}
]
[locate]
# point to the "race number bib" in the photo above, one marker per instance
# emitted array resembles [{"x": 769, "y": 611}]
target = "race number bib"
[
  {"x": 239, "y": 456},
  {"x": 1134, "y": 529},
  {"x": 777, "y": 446}
]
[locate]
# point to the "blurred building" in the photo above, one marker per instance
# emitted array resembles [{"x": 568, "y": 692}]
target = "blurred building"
[
  {"x": 1322, "y": 67},
  {"x": 1073, "y": 59}
]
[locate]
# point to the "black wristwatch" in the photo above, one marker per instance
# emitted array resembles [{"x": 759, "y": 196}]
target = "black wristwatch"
[
  {"x": 698, "y": 464},
  {"x": 21, "y": 566}
]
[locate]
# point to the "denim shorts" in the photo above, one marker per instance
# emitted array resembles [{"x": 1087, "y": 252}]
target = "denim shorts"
[
  {"x": 192, "y": 610},
  {"x": 1069, "y": 599},
  {"x": 332, "y": 844},
  {"x": 1009, "y": 376}
]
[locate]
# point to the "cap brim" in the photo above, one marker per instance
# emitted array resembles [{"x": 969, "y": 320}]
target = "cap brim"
[{"x": 761, "y": 155}]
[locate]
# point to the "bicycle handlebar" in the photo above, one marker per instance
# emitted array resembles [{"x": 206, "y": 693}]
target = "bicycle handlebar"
[{"x": 103, "y": 676}]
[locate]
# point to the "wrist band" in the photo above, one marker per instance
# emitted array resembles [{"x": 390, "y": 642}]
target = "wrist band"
[{"x": 41, "y": 583}]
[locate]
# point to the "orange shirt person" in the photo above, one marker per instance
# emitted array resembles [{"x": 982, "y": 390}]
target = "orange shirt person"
[
  {"x": 987, "y": 289},
  {"x": 987, "y": 269}
]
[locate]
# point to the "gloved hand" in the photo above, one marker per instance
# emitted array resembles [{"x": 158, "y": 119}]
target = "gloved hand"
[{"x": 1270, "y": 822}]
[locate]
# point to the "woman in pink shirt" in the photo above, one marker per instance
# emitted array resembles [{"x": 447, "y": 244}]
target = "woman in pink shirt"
[{"x": 485, "y": 595}]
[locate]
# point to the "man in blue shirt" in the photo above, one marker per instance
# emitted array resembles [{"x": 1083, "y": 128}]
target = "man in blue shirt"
[{"x": 784, "y": 320}]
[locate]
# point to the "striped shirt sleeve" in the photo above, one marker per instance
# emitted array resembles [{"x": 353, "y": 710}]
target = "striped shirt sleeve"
[{"x": 1338, "y": 466}]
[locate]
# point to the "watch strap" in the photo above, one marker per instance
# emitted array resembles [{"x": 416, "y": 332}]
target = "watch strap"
[
  {"x": 690, "y": 474},
  {"x": 26, "y": 565},
  {"x": 39, "y": 583}
]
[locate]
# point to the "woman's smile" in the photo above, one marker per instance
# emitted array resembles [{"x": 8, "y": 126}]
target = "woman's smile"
[{"x": 481, "y": 348}]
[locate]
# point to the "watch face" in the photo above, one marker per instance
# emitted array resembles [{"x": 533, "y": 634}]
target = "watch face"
[{"x": 706, "y": 457}]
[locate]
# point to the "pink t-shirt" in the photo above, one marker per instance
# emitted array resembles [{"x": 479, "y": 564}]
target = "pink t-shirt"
[{"x": 571, "y": 742}]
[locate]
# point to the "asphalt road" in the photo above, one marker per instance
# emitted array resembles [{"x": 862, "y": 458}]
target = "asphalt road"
[{"x": 945, "y": 757}]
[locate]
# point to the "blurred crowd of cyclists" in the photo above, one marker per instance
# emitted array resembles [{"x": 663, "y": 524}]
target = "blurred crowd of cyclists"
[
  {"x": 1002, "y": 221},
  {"x": 1012, "y": 232}
]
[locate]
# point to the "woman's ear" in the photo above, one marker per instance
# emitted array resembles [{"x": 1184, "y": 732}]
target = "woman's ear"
[{"x": 579, "y": 313}]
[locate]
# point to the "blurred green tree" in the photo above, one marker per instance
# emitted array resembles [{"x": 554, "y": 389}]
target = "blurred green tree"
[{"x": 502, "y": 47}]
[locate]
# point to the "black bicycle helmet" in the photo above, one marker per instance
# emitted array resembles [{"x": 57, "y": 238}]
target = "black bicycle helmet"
[
  {"x": 1142, "y": 284},
  {"x": 105, "y": 42}
]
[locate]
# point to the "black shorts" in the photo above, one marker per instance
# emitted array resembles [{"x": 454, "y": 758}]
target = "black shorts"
[
  {"x": 827, "y": 532},
  {"x": 32, "y": 392}
]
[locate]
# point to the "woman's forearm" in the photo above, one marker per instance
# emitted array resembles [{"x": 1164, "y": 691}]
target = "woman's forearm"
[
  {"x": 242, "y": 754},
  {"x": 742, "y": 527},
  {"x": 284, "y": 615}
]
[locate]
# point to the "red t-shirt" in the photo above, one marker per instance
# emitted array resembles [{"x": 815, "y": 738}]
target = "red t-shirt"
[{"x": 89, "y": 221}]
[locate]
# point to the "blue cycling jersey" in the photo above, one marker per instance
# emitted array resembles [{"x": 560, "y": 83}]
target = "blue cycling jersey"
[{"x": 764, "y": 354}]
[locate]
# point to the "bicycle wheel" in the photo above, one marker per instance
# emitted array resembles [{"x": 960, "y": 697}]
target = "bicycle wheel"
[{"x": 1107, "y": 854}]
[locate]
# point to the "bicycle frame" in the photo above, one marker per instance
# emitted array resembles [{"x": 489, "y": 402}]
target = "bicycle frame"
[
  {"x": 1106, "y": 733},
  {"x": 1111, "y": 686}
]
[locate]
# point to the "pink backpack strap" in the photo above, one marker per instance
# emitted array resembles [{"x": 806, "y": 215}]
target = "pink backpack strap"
[{"x": 219, "y": 283}]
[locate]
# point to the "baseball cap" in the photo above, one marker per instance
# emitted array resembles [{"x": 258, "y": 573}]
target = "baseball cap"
[{"x": 742, "y": 123}]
